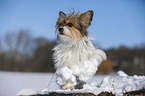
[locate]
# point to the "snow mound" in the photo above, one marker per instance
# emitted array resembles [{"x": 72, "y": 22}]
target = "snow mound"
[
  {"x": 121, "y": 73},
  {"x": 27, "y": 91},
  {"x": 118, "y": 85},
  {"x": 47, "y": 91}
]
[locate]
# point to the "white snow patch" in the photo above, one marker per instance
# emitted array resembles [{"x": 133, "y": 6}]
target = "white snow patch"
[
  {"x": 12, "y": 82},
  {"x": 47, "y": 91},
  {"x": 27, "y": 91},
  {"x": 116, "y": 84},
  {"x": 121, "y": 73}
]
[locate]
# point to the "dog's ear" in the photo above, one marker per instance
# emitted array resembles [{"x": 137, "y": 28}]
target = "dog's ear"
[
  {"x": 61, "y": 14},
  {"x": 86, "y": 18}
]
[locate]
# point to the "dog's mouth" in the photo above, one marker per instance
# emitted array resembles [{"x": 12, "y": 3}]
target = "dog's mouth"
[{"x": 61, "y": 33}]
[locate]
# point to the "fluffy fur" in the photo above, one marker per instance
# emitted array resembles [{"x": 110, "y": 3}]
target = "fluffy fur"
[{"x": 76, "y": 58}]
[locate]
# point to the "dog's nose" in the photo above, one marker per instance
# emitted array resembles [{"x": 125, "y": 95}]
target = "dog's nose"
[{"x": 61, "y": 31}]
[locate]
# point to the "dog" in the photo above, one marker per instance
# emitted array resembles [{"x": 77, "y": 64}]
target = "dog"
[{"x": 76, "y": 58}]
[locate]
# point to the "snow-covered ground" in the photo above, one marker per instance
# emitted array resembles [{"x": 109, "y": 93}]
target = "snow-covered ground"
[
  {"x": 12, "y": 82},
  {"x": 115, "y": 84}
]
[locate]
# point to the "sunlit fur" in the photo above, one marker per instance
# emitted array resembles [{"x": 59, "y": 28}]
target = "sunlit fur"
[{"x": 75, "y": 48}]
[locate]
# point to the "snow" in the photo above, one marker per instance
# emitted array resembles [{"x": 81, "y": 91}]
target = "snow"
[
  {"x": 12, "y": 83},
  {"x": 118, "y": 85},
  {"x": 114, "y": 84},
  {"x": 27, "y": 91},
  {"x": 46, "y": 91},
  {"x": 121, "y": 73}
]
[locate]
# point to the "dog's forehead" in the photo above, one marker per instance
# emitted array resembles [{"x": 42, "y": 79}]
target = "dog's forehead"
[
  {"x": 68, "y": 19},
  {"x": 70, "y": 16}
]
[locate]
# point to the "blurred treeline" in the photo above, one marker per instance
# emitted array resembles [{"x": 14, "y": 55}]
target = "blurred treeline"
[
  {"x": 130, "y": 60},
  {"x": 20, "y": 51}
]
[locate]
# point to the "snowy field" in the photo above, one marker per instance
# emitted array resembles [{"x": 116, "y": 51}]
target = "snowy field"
[{"x": 12, "y": 82}]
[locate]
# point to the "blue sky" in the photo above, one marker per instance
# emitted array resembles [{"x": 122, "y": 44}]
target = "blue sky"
[{"x": 115, "y": 22}]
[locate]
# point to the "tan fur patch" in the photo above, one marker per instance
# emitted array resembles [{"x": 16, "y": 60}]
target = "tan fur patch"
[{"x": 80, "y": 22}]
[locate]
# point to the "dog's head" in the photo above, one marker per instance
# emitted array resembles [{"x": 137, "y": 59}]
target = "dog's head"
[{"x": 73, "y": 26}]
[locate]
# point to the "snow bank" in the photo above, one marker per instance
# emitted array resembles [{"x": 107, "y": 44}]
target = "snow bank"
[
  {"x": 26, "y": 91},
  {"x": 117, "y": 85},
  {"x": 121, "y": 73},
  {"x": 46, "y": 91},
  {"x": 12, "y": 82}
]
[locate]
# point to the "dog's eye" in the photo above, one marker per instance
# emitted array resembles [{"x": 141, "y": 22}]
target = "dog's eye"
[
  {"x": 60, "y": 24},
  {"x": 69, "y": 24}
]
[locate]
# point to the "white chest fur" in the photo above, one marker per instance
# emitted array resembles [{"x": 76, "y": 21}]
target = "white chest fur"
[
  {"x": 79, "y": 59},
  {"x": 68, "y": 54}
]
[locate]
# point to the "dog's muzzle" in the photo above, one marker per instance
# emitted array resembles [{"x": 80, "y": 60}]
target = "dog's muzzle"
[{"x": 61, "y": 31}]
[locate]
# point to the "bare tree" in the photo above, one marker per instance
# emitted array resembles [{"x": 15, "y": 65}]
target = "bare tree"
[
  {"x": 0, "y": 45},
  {"x": 17, "y": 44}
]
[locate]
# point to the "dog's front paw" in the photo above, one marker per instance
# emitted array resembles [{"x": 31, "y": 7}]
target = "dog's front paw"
[{"x": 68, "y": 86}]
